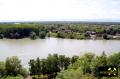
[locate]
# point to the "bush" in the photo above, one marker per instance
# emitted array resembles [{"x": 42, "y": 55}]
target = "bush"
[
  {"x": 12, "y": 69},
  {"x": 2, "y": 69},
  {"x": 85, "y": 67},
  {"x": 33, "y": 35},
  {"x": 42, "y": 34},
  {"x": 11, "y": 77}
]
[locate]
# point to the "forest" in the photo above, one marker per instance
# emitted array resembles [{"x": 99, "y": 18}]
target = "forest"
[
  {"x": 59, "y": 67},
  {"x": 71, "y": 31}
]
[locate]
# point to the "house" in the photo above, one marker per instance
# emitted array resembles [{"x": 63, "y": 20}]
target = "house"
[
  {"x": 55, "y": 31},
  {"x": 91, "y": 32},
  {"x": 68, "y": 31},
  {"x": 117, "y": 34}
]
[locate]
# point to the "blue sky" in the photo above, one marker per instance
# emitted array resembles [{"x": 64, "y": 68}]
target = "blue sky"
[{"x": 59, "y": 10}]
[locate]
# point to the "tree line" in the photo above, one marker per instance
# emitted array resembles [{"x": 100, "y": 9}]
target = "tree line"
[
  {"x": 47, "y": 68},
  {"x": 18, "y": 31},
  {"x": 50, "y": 66},
  {"x": 72, "y": 31},
  {"x": 86, "y": 67},
  {"x": 60, "y": 67}
]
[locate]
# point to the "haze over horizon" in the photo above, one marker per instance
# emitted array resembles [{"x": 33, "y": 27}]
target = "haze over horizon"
[{"x": 60, "y": 10}]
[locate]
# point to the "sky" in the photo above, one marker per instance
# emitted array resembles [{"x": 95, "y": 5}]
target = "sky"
[{"x": 59, "y": 10}]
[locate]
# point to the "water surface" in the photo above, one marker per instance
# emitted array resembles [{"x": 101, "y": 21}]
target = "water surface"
[{"x": 27, "y": 49}]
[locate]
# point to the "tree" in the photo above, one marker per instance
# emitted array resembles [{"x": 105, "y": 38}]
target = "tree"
[
  {"x": 38, "y": 66},
  {"x": 79, "y": 68},
  {"x": 66, "y": 62},
  {"x": 13, "y": 66},
  {"x": 86, "y": 62},
  {"x": 32, "y": 64},
  {"x": 105, "y": 36},
  {"x": 42, "y": 34},
  {"x": 87, "y": 34},
  {"x": 74, "y": 59},
  {"x": 24, "y": 72},
  {"x": 45, "y": 66},
  {"x": 61, "y": 35},
  {"x": 2, "y": 69},
  {"x": 11, "y": 35},
  {"x": 17, "y": 35},
  {"x": 56, "y": 62},
  {"x": 1, "y": 36},
  {"x": 98, "y": 61},
  {"x": 52, "y": 65},
  {"x": 114, "y": 59},
  {"x": 33, "y": 35},
  {"x": 61, "y": 61}
]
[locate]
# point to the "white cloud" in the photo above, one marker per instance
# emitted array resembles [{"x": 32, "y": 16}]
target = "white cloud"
[{"x": 11, "y": 10}]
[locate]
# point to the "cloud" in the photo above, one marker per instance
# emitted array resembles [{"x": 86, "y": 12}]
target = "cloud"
[{"x": 11, "y": 10}]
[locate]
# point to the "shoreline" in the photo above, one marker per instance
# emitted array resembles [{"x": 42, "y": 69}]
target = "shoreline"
[{"x": 58, "y": 38}]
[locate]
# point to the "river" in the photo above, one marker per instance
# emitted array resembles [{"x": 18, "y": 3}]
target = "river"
[{"x": 27, "y": 49}]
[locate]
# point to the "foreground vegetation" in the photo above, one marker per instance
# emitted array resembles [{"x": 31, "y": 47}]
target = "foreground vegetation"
[
  {"x": 85, "y": 67},
  {"x": 72, "y": 31},
  {"x": 12, "y": 69},
  {"x": 60, "y": 67},
  {"x": 50, "y": 66}
]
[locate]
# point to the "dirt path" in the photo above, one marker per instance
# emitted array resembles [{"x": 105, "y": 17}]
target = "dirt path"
[{"x": 29, "y": 77}]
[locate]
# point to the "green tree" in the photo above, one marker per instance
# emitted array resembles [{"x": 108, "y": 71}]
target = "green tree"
[
  {"x": 42, "y": 34},
  {"x": 105, "y": 36},
  {"x": 33, "y": 35},
  {"x": 98, "y": 61},
  {"x": 17, "y": 35},
  {"x": 2, "y": 69},
  {"x": 32, "y": 64},
  {"x": 13, "y": 66},
  {"x": 61, "y": 35},
  {"x": 74, "y": 59},
  {"x": 24, "y": 72},
  {"x": 45, "y": 66},
  {"x": 114, "y": 59},
  {"x": 38, "y": 66},
  {"x": 66, "y": 62},
  {"x": 61, "y": 61},
  {"x": 1, "y": 36}
]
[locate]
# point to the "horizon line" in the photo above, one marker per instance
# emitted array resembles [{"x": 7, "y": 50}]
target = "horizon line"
[{"x": 63, "y": 21}]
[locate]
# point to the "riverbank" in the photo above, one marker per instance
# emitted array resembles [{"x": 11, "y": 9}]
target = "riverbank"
[
  {"x": 71, "y": 31},
  {"x": 82, "y": 37}
]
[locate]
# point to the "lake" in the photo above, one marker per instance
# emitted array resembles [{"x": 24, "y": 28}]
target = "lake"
[{"x": 27, "y": 49}]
